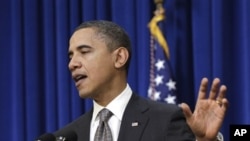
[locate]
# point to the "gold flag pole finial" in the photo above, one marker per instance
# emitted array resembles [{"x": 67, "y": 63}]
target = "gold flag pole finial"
[
  {"x": 159, "y": 7},
  {"x": 158, "y": 3}
]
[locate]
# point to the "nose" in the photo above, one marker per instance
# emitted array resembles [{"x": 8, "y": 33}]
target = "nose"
[{"x": 74, "y": 63}]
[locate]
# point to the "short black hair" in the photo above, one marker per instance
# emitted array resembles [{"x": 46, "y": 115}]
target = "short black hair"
[{"x": 113, "y": 34}]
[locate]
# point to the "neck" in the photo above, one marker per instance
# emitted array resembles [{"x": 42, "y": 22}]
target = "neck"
[{"x": 105, "y": 98}]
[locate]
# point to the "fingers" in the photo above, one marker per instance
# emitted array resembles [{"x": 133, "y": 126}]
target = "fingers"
[
  {"x": 203, "y": 88},
  {"x": 222, "y": 92},
  {"x": 217, "y": 92},
  {"x": 225, "y": 104},
  {"x": 221, "y": 98},
  {"x": 214, "y": 88},
  {"x": 186, "y": 110}
]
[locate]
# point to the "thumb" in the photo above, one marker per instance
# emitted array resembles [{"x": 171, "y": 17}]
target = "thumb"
[{"x": 186, "y": 110}]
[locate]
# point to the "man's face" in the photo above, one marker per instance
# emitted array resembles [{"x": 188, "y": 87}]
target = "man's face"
[{"x": 91, "y": 63}]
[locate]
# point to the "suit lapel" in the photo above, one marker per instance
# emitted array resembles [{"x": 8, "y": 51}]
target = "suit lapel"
[
  {"x": 134, "y": 120},
  {"x": 84, "y": 124}
]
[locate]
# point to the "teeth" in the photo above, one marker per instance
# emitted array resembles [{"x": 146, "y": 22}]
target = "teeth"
[{"x": 78, "y": 77}]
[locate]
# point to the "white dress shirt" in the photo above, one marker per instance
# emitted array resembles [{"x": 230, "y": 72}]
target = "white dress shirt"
[{"x": 117, "y": 107}]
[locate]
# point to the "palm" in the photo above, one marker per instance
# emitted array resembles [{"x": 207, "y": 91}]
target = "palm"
[{"x": 207, "y": 119}]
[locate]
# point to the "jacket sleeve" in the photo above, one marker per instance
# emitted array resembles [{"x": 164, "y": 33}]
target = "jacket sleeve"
[{"x": 178, "y": 129}]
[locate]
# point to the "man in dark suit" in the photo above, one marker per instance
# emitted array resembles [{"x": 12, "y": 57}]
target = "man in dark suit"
[{"x": 100, "y": 53}]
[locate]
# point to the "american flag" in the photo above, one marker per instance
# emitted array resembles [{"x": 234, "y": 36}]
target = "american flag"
[{"x": 162, "y": 86}]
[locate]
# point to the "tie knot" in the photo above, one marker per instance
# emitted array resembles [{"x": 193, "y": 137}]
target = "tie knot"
[{"x": 105, "y": 114}]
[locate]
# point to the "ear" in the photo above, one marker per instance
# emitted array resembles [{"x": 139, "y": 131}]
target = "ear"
[{"x": 120, "y": 57}]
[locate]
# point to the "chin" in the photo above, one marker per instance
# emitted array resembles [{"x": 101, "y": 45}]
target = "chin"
[{"x": 84, "y": 94}]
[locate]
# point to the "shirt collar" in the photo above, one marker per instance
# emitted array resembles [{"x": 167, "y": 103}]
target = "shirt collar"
[{"x": 122, "y": 100}]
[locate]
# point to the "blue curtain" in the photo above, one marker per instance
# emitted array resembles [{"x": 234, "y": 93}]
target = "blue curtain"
[{"x": 208, "y": 38}]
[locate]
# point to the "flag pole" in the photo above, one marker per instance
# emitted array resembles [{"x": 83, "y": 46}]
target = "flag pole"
[
  {"x": 162, "y": 85},
  {"x": 154, "y": 34}
]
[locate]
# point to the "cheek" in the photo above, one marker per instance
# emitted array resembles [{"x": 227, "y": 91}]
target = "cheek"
[
  {"x": 103, "y": 60},
  {"x": 101, "y": 67},
  {"x": 99, "y": 64}
]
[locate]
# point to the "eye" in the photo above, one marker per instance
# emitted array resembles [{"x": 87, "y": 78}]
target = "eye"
[{"x": 85, "y": 50}]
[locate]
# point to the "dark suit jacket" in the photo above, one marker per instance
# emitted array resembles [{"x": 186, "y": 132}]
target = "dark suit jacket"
[{"x": 156, "y": 122}]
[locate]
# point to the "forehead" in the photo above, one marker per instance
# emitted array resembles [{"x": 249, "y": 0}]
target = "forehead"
[
  {"x": 82, "y": 35},
  {"x": 86, "y": 36}
]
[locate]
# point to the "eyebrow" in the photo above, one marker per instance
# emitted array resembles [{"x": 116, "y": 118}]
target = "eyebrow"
[{"x": 78, "y": 48}]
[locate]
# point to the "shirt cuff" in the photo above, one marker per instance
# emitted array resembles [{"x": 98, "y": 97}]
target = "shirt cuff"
[{"x": 219, "y": 137}]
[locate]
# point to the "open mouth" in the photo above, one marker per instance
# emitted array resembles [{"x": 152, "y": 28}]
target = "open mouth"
[{"x": 79, "y": 77}]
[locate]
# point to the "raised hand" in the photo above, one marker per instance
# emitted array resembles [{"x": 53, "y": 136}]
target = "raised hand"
[{"x": 208, "y": 116}]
